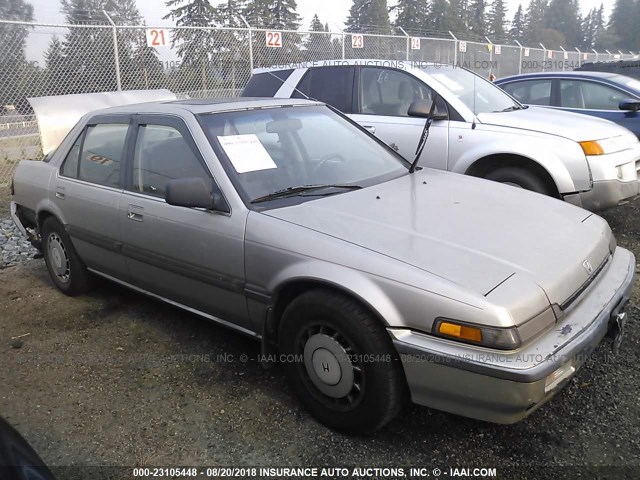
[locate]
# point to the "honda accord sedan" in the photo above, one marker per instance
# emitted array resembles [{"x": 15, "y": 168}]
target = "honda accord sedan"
[{"x": 371, "y": 280}]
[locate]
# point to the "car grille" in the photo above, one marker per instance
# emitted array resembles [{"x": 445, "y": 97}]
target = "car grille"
[{"x": 567, "y": 303}]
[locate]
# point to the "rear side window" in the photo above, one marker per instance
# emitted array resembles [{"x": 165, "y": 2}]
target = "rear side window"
[
  {"x": 532, "y": 92},
  {"x": 102, "y": 154},
  {"x": 266, "y": 84},
  {"x": 70, "y": 165},
  {"x": 332, "y": 85}
]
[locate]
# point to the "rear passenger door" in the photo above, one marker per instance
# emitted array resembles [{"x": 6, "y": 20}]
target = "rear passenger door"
[
  {"x": 192, "y": 256},
  {"x": 88, "y": 191},
  {"x": 383, "y": 99}
]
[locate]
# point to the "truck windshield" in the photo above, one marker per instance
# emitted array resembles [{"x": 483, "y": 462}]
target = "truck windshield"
[
  {"x": 300, "y": 151},
  {"x": 478, "y": 94}
]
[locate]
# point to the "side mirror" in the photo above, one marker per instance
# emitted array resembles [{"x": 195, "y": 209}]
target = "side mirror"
[
  {"x": 190, "y": 192},
  {"x": 629, "y": 104},
  {"x": 421, "y": 109}
]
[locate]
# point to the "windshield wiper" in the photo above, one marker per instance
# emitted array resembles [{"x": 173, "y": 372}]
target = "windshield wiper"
[{"x": 293, "y": 191}]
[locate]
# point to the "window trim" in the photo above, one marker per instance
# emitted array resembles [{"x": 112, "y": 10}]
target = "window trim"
[{"x": 178, "y": 123}]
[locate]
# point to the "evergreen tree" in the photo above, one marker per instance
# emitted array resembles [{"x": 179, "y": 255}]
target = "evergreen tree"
[
  {"x": 55, "y": 66},
  {"x": 412, "y": 15},
  {"x": 534, "y": 22},
  {"x": 624, "y": 23},
  {"x": 318, "y": 45},
  {"x": 457, "y": 16},
  {"x": 517, "y": 28},
  {"x": 477, "y": 18},
  {"x": 599, "y": 27},
  {"x": 439, "y": 16},
  {"x": 285, "y": 15},
  {"x": 497, "y": 19},
  {"x": 369, "y": 16},
  {"x": 564, "y": 16},
  {"x": 258, "y": 13}
]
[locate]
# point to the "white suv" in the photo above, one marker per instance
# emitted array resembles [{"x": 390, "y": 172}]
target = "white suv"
[{"x": 478, "y": 129}]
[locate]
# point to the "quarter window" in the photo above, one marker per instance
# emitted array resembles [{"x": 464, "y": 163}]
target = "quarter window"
[
  {"x": 70, "y": 165},
  {"x": 589, "y": 95},
  {"x": 390, "y": 92},
  {"x": 102, "y": 154},
  {"x": 162, "y": 154}
]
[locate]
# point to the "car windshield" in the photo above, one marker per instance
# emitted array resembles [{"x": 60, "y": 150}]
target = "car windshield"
[
  {"x": 302, "y": 152},
  {"x": 478, "y": 94}
]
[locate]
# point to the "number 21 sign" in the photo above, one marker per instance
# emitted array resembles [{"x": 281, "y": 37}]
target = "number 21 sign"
[{"x": 157, "y": 37}]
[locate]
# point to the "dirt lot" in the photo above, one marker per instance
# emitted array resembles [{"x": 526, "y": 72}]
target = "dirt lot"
[{"x": 115, "y": 378}]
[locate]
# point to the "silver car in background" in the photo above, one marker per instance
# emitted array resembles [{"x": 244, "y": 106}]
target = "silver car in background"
[
  {"x": 286, "y": 221},
  {"x": 478, "y": 129}
]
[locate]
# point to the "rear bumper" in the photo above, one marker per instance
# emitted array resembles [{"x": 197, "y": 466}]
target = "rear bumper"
[{"x": 504, "y": 387}]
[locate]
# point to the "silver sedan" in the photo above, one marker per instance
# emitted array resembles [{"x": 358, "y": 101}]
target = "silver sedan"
[{"x": 371, "y": 282}]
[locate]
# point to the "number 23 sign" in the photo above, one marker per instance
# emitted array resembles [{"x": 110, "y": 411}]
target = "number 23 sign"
[{"x": 157, "y": 37}]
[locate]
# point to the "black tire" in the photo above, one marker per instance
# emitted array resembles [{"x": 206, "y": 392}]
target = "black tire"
[
  {"x": 316, "y": 326},
  {"x": 520, "y": 177},
  {"x": 66, "y": 269}
]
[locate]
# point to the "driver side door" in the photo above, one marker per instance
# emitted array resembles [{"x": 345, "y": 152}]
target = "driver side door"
[{"x": 383, "y": 99}]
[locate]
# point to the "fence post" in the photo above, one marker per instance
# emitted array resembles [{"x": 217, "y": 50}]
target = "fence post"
[
  {"x": 116, "y": 55},
  {"x": 596, "y": 52},
  {"x": 408, "y": 41},
  {"x": 250, "y": 42},
  {"x": 490, "y": 56},
  {"x": 579, "y": 57},
  {"x": 610, "y": 54},
  {"x": 520, "y": 58},
  {"x": 564, "y": 53},
  {"x": 544, "y": 55},
  {"x": 455, "y": 48}
]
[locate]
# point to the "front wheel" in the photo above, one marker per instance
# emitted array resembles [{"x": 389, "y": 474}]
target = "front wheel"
[
  {"x": 519, "y": 177},
  {"x": 66, "y": 269},
  {"x": 341, "y": 362}
]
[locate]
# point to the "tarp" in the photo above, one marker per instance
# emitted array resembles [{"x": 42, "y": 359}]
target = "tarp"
[{"x": 57, "y": 115}]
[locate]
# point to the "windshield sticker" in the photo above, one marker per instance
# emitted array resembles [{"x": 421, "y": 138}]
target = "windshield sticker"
[
  {"x": 447, "y": 82},
  {"x": 246, "y": 153}
]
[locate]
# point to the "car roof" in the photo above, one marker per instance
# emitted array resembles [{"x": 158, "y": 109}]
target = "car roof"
[
  {"x": 363, "y": 62},
  {"x": 199, "y": 106},
  {"x": 572, "y": 74}
]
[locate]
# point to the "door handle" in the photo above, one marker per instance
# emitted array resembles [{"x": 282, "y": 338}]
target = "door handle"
[
  {"x": 60, "y": 193},
  {"x": 135, "y": 213},
  {"x": 370, "y": 128}
]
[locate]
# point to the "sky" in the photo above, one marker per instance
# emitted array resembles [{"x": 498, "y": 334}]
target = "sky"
[{"x": 333, "y": 12}]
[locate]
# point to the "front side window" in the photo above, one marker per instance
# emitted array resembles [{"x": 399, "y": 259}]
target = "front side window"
[
  {"x": 162, "y": 154},
  {"x": 390, "y": 92},
  {"x": 331, "y": 85},
  {"x": 270, "y": 150},
  {"x": 102, "y": 152},
  {"x": 589, "y": 95},
  {"x": 532, "y": 92}
]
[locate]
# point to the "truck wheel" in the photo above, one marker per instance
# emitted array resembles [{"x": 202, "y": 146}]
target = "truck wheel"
[
  {"x": 66, "y": 269},
  {"x": 519, "y": 177},
  {"x": 341, "y": 362}
]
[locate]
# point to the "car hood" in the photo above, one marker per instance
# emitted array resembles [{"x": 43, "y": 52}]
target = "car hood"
[
  {"x": 570, "y": 125},
  {"x": 469, "y": 231}
]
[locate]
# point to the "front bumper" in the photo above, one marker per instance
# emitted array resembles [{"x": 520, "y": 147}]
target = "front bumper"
[
  {"x": 506, "y": 386},
  {"x": 615, "y": 180}
]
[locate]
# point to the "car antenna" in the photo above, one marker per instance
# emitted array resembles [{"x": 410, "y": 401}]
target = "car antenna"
[
  {"x": 284, "y": 81},
  {"x": 473, "y": 123},
  {"x": 425, "y": 133}
]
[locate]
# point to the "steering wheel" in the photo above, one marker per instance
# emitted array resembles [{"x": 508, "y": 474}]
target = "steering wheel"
[{"x": 324, "y": 160}]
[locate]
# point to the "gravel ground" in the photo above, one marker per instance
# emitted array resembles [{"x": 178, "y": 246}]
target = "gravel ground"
[{"x": 115, "y": 378}]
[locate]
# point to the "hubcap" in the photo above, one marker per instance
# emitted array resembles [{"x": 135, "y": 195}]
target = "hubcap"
[
  {"x": 330, "y": 364},
  {"x": 58, "y": 257}
]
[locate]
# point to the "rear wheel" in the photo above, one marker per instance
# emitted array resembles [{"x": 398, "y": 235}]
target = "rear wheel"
[
  {"x": 520, "y": 177},
  {"x": 66, "y": 269},
  {"x": 341, "y": 362}
]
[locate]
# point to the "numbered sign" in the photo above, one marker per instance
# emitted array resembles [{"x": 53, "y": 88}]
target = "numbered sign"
[
  {"x": 566, "y": 55},
  {"x": 526, "y": 52},
  {"x": 274, "y": 39},
  {"x": 497, "y": 49},
  {"x": 550, "y": 54},
  {"x": 585, "y": 56},
  {"x": 157, "y": 37},
  {"x": 462, "y": 47},
  {"x": 357, "y": 41},
  {"x": 415, "y": 43}
]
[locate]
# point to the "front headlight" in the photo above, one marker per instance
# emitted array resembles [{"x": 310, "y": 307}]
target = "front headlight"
[
  {"x": 608, "y": 145},
  {"x": 500, "y": 338}
]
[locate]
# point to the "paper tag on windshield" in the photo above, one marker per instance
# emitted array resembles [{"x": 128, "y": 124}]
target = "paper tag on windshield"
[{"x": 246, "y": 153}]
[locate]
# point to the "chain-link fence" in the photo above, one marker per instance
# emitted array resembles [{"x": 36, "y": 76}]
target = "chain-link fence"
[{"x": 45, "y": 59}]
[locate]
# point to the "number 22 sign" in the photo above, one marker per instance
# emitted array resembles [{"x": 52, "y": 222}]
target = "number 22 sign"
[
  {"x": 274, "y": 39},
  {"x": 157, "y": 37}
]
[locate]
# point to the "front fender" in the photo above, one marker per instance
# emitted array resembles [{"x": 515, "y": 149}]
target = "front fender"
[{"x": 563, "y": 159}]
